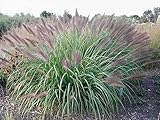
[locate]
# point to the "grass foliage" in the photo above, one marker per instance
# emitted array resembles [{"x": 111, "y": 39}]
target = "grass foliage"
[
  {"x": 153, "y": 30},
  {"x": 75, "y": 65}
]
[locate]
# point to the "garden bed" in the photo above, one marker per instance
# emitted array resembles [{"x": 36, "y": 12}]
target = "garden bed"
[{"x": 147, "y": 108}]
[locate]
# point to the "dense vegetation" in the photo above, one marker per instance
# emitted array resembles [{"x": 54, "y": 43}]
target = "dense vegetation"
[
  {"x": 70, "y": 65},
  {"x": 148, "y": 16},
  {"x": 8, "y": 22}
]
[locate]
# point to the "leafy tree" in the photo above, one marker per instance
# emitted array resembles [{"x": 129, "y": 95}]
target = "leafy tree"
[
  {"x": 151, "y": 16},
  {"x": 135, "y": 18},
  {"x": 148, "y": 15},
  {"x": 46, "y": 14},
  {"x": 157, "y": 11}
]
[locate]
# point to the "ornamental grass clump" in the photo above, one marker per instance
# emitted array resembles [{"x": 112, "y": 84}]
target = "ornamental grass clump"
[{"x": 73, "y": 65}]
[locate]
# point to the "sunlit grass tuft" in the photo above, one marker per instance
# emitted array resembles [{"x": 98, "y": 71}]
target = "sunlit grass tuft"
[{"x": 76, "y": 65}]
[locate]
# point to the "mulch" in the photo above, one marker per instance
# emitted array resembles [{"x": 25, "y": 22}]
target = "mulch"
[
  {"x": 148, "y": 109},
  {"x": 8, "y": 106}
]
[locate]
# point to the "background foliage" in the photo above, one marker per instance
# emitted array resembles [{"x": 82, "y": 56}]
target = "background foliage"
[{"x": 8, "y": 22}]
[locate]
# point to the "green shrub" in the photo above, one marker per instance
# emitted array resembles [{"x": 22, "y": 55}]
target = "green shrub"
[
  {"x": 5, "y": 23},
  {"x": 8, "y": 22},
  {"x": 19, "y": 19},
  {"x": 76, "y": 65}
]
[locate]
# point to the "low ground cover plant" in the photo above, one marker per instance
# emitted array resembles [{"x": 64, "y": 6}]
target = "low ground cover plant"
[{"x": 75, "y": 65}]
